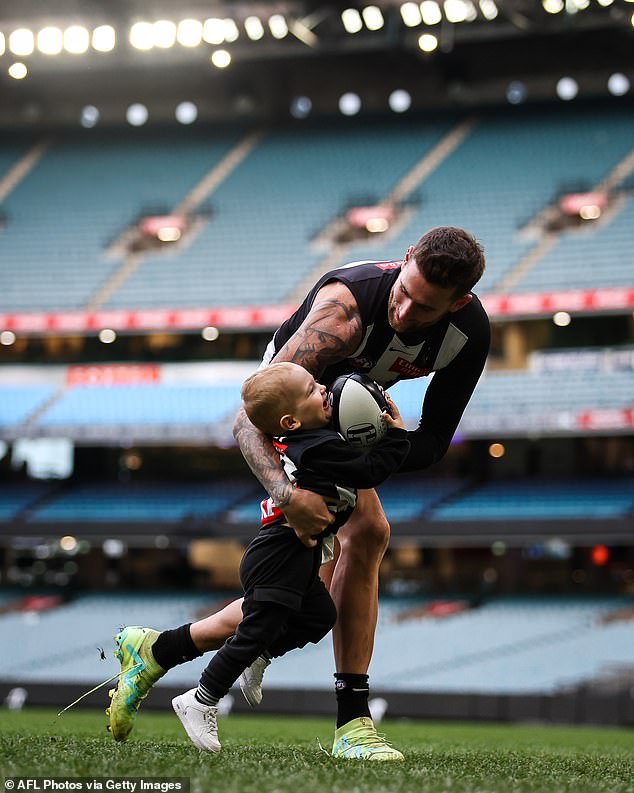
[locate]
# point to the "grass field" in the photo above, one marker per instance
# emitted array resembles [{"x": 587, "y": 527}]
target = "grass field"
[{"x": 282, "y": 755}]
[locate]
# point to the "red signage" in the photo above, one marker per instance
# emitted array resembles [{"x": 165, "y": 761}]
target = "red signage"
[{"x": 113, "y": 374}]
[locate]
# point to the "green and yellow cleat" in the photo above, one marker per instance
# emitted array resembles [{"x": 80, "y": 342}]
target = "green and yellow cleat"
[
  {"x": 139, "y": 672},
  {"x": 359, "y": 740}
]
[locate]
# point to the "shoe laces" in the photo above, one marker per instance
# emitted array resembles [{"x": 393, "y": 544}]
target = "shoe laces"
[{"x": 209, "y": 717}]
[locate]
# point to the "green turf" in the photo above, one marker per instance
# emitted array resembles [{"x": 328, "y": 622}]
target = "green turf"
[{"x": 282, "y": 755}]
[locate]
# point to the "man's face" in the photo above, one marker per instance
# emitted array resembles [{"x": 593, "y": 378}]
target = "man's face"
[{"x": 415, "y": 304}]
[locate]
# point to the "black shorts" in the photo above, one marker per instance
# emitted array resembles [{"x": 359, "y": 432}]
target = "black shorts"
[{"x": 277, "y": 567}]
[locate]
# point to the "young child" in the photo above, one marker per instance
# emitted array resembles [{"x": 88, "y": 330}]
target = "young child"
[{"x": 286, "y": 604}]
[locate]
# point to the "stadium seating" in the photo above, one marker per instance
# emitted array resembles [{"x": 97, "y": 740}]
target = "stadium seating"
[
  {"x": 508, "y": 645},
  {"x": 18, "y": 402}
]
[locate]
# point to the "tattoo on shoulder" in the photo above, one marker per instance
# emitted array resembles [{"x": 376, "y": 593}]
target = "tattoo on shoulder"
[{"x": 331, "y": 332}]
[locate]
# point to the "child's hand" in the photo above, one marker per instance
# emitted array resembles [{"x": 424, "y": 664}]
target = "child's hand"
[{"x": 395, "y": 420}]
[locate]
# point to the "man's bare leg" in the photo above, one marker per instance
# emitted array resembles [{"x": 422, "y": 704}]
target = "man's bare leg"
[{"x": 355, "y": 583}]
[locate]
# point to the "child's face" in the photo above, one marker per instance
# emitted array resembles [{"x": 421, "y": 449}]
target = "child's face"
[{"x": 311, "y": 405}]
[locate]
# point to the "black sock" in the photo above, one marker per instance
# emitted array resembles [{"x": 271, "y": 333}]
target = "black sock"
[
  {"x": 174, "y": 647},
  {"x": 352, "y": 692}
]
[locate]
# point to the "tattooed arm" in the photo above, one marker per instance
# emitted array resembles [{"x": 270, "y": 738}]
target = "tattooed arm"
[{"x": 331, "y": 331}]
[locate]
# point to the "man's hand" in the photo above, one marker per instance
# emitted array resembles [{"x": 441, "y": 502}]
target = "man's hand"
[{"x": 308, "y": 514}]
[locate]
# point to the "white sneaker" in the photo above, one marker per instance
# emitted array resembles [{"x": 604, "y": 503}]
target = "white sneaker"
[
  {"x": 198, "y": 720},
  {"x": 251, "y": 680}
]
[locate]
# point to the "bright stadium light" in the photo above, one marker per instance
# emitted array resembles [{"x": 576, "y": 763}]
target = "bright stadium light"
[
  {"x": 428, "y": 42},
  {"x": 400, "y": 101},
  {"x": 567, "y": 88},
  {"x": 349, "y": 104},
  {"x": 164, "y": 32},
  {"x": 210, "y": 333},
  {"x": 186, "y": 113},
  {"x": 278, "y": 26},
  {"x": 142, "y": 36},
  {"x": 136, "y": 115},
  {"x": 373, "y": 17},
  {"x": 410, "y": 14},
  {"x": 220, "y": 59},
  {"x": 190, "y": 32},
  {"x": 553, "y": 6},
  {"x": 18, "y": 71},
  {"x": 618, "y": 84},
  {"x": 50, "y": 41},
  {"x": 455, "y": 10},
  {"x": 489, "y": 9},
  {"x": 107, "y": 336},
  {"x": 562, "y": 319},
  {"x": 22, "y": 42},
  {"x": 89, "y": 116},
  {"x": 431, "y": 13},
  {"x": 104, "y": 38},
  {"x": 76, "y": 39},
  {"x": 214, "y": 31},
  {"x": 254, "y": 28},
  {"x": 232, "y": 32},
  {"x": 7, "y": 338},
  {"x": 351, "y": 20},
  {"x": 605, "y": 3},
  {"x": 2, "y": 44}
]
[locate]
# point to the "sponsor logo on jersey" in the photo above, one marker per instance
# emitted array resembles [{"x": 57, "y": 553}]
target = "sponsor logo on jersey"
[
  {"x": 387, "y": 265},
  {"x": 364, "y": 364},
  {"x": 407, "y": 369},
  {"x": 270, "y": 513}
]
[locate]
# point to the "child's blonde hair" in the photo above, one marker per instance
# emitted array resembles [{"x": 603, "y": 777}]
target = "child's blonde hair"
[{"x": 265, "y": 399}]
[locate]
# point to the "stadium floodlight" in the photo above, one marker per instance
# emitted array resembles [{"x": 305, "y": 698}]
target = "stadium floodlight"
[
  {"x": 107, "y": 336},
  {"x": 349, "y": 104},
  {"x": 400, "y": 101},
  {"x": 104, "y": 38},
  {"x": 22, "y": 42},
  {"x": 567, "y": 88},
  {"x": 7, "y": 338},
  {"x": 214, "y": 31},
  {"x": 278, "y": 26},
  {"x": 254, "y": 28},
  {"x": 373, "y": 17},
  {"x": 142, "y": 36},
  {"x": 164, "y": 32},
  {"x": 410, "y": 14},
  {"x": 618, "y": 84},
  {"x": 2, "y": 44},
  {"x": 18, "y": 71},
  {"x": 136, "y": 115},
  {"x": 430, "y": 12},
  {"x": 220, "y": 59},
  {"x": 50, "y": 41},
  {"x": 489, "y": 9},
  {"x": 562, "y": 319},
  {"x": 553, "y": 6},
  {"x": 605, "y": 3},
  {"x": 351, "y": 20},
  {"x": 189, "y": 32},
  {"x": 76, "y": 39},
  {"x": 497, "y": 450},
  {"x": 455, "y": 10},
  {"x": 232, "y": 32},
  {"x": 210, "y": 333},
  {"x": 428, "y": 42},
  {"x": 186, "y": 112},
  {"x": 89, "y": 116},
  {"x": 300, "y": 107}
]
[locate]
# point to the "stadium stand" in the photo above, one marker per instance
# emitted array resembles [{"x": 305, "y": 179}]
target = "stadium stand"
[{"x": 18, "y": 402}]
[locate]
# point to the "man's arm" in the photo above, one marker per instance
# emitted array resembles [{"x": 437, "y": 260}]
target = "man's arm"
[{"x": 331, "y": 331}]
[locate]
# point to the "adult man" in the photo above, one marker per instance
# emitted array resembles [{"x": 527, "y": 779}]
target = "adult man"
[{"x": 392, "y": 320}]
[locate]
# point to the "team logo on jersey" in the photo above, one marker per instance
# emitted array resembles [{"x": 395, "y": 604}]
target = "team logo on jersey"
[
  {"x": 407, "y": 369},
  {"x": 363, "y": 364},
  {"x": 387, "y": 265}
]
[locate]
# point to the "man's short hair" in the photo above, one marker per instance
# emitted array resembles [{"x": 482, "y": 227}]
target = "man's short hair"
[
  {"x": 450, "y": 258},
  {"x": 265, "y": 398}
]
